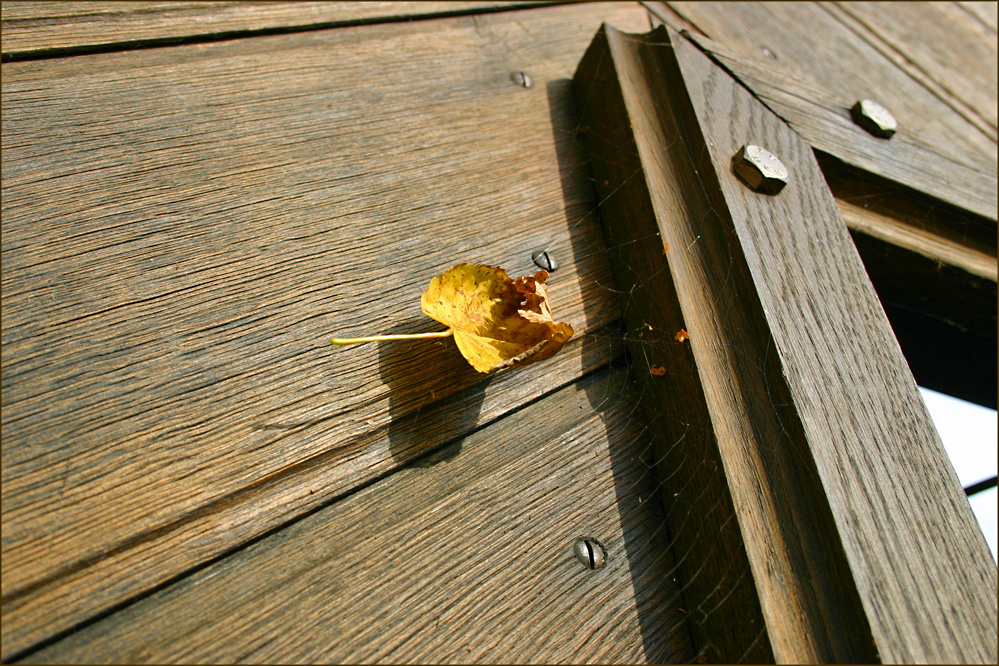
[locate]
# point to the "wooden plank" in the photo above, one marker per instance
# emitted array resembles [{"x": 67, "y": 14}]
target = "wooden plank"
[
  {"x": 861, "y": 543},
  {"x": 933, "y": 264},
  {"x": 812, "y": 85},
  {"x": 184, "y": 228},
  {"x": 636, "y": 133},
  {"x": 441, "y": 563},
  {"x": 940, "y": 45},
  {"x": 847, "y": 65},
  {"x": 30, "y": 29}
]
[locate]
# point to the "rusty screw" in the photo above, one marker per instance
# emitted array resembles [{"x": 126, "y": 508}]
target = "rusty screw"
[
  {"x": 589, "y": 552},
  {"x": 760, "y": 169},
  {"x": 874, "y": 118},
  {"x": 522, "y": 79}
]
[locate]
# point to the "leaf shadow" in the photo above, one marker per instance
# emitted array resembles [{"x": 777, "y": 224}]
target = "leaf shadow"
[{"x": 435, "y": 396}]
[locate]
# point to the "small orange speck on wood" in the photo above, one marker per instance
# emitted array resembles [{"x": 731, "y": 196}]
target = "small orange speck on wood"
[
  {"x": 682, "y": 335},
  {"x": 657, "y": 370}
]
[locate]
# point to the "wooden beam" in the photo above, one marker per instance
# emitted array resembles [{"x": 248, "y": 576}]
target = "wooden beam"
[
  {"x": 930, "y": 258},
  {"x": 934, "y": 268},
  {"x": 940, "y": 44},
  {"x": 47, "y": 29},
  {"x": 860, "y": 543}
]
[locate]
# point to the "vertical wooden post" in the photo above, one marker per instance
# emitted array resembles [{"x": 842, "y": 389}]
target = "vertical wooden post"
[{"x": 814, "y": 510}]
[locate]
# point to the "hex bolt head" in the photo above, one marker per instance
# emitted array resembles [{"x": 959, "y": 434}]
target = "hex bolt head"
[
  {"x": 522, "y": 79},
  {"x": 759, "y": 169},
  {"x": 544, "y": 259},
  {"x": 874, "y": 118},
  {"x": 589, "y": 552}
]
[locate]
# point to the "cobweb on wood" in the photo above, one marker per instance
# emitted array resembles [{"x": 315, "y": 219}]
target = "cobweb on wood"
[
  {"x": 643, "y": 342},
  {"x": 685, "y": 502}
]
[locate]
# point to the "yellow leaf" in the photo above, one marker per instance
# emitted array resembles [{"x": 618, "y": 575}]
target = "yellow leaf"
[{"x": 498, "y": 322}]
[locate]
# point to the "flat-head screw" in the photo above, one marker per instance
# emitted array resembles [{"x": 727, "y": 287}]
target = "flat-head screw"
[
  {"x": 759, "y": 169},
  {"x": 874, "y": 118},
  {"x": 522, "y": 79},
  {"x": 589, "y": 552},
  {"x": 543, "y": 259}
]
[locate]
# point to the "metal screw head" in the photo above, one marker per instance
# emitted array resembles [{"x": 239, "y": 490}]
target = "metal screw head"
[
  {"x": 522, "y": 79},
  {"x": 874, "y": 118},
  {"x": 589, "y": 552},
  {"x": 544, "y": 259},
  {"x": 760, "y": 169}
]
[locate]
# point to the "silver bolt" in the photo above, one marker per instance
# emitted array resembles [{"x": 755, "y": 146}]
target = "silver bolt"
[
  {"x": 542, "y": 259},
  {"x": 589, "y": 552},
  {"x": 760, "y": 169},
  {"x": 522, "y": 79},
  {"x": 874, "y": 118}
]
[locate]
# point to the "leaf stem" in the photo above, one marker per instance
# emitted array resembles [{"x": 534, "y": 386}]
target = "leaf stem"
[{"x": 380, "y": 338}]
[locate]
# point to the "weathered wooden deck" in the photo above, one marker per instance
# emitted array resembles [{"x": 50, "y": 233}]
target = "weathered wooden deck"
[
  {"x": 197, "y": 196},
  {"x": 184, "y": 229}
]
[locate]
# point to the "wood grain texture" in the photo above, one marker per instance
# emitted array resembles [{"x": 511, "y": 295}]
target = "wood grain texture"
[
  {"x": 812, "y": 83},
  {"x": 986, "y": 13},
  {"x": 716, "y": 423},
  {"x": 185, "y": 228},
  {"x": 943, "y": 316},
  {"x": 861, "y": 543},
  {"x": 934, "y": 269},
  {"x": 915, "y": 551},
  {"x": 940, "y": 45},
  {"x": 466, "y": 558},
  {"x": 725, "y": 609},
  {"x": 849, "y": 67},
  {"x": 33, "y": 28},
  {"x": 957, "y": 250}
]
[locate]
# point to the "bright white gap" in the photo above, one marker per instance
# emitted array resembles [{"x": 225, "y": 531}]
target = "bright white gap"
[{"x": 969, "y": 434}]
